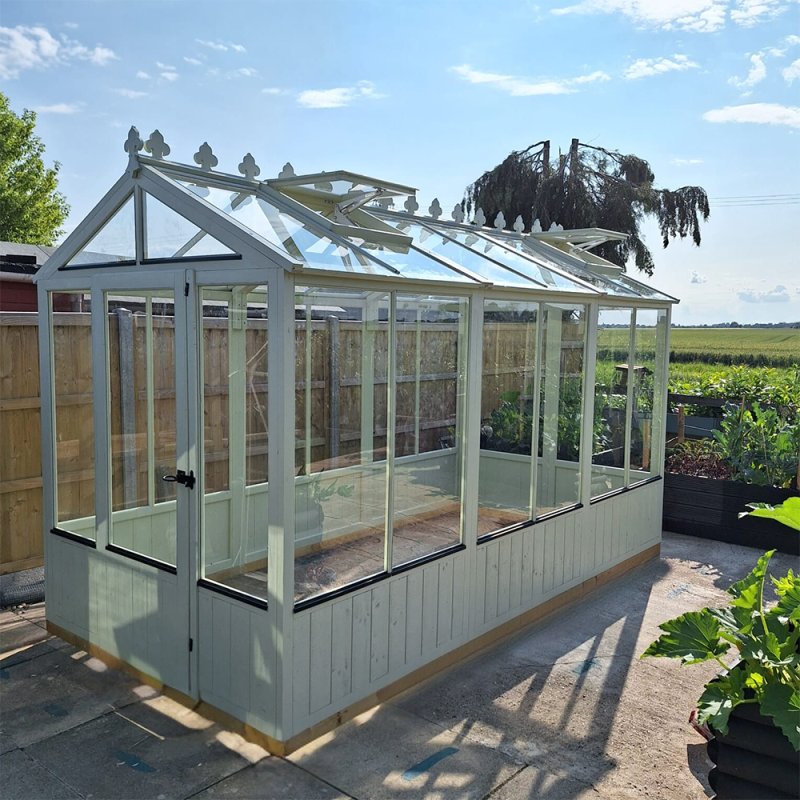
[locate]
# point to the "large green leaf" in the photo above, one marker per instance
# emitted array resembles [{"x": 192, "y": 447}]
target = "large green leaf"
[
  {"x": 691, "y": 637},
  {"x": 787, "y": 513},
  {"x": 719, "y": 698},
  {"x": 747, "y": 592},
  {"x": 788, "y": 590},
  {"x": 781, "y": 702}
]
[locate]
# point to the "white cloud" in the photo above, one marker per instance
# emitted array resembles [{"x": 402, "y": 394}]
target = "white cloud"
[
  {"x": 521, "y": 87},
  {"x": 759, "y": 113},
  {"x": 222, "y": 47},
  {"x": 167, "y": 67},
  {"x": 645, "y": 67},
  {"x": 274, "y": 90},
  {"x": 338, "y": 97},
  {"x": 143, "y": 75},
  {"x": 686, "y": 162},
  {"x": 58, "y": 108},
  {"x": 237, "y": 48},
  {"x": 243, "y": 72},
  {"x": 23, "y": 48},
  {"x": 792, "y": 72},
  {"x": 133, "y": 94},
  {"x": 195, "y": 62},
  {"x": 696, "y": 277},
  {"x": 71, "y": 25},
  {"x": 699, "y": 16},
  {"x": 757, "y": 73},
  {"x": 779, "y": 294},
  {"x": 792, "y": 39},
  {"x": 169, "y": 75}
]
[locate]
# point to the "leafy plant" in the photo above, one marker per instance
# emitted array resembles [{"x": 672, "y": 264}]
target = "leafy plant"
[
  {"x": 787, "y": 513},
  {"x": 768, "y": 673},
  {"x": 322, "y": 493},
  {"x": 761, "y": 447},
  {"x": 701, "y": 458}
]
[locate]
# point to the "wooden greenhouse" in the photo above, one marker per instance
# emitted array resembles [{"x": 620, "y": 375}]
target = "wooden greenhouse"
[{"x": 302, "y": 448}]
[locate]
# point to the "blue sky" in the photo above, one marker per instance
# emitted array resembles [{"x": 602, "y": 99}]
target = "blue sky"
[{"x": 432, "y": 94}]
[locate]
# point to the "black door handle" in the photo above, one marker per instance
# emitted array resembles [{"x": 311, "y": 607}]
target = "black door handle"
[{"x": 181, "y": 477}]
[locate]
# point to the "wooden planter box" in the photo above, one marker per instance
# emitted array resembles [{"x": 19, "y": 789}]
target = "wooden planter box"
[
  {"x": 709, "y": 508},
  {"x": 754, "y": 759}
]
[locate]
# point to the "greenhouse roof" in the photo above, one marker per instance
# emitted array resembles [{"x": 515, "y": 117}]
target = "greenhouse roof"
[{"x": 338, "y": 222}]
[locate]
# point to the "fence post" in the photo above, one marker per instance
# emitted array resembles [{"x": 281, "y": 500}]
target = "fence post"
[
  {"x": 333, "y": 388},
  {"x": 127, "y": 410},
  {"x": 681, "y": 423}
]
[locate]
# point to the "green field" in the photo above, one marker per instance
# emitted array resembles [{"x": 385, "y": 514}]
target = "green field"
[{"x": 776, "y": 347}]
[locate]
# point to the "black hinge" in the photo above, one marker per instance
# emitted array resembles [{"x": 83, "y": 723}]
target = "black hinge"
[
  {"x": 186, "y": 289},
  {"x": 191, "y": 645},
  {"x": 181, "y": 477}
]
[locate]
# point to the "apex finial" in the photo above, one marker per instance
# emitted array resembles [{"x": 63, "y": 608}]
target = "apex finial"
[
  {"x": 156, "y": 145},
  {"x": 249, "y": 168},
  {"x": 411, "y": 205},
  {"x": 384, "y": 202},
  {"x": 457, "y": 213},
  {"x": 134, "y": 143},
  {"x": 287, "y": 171},
  {"x": 480, "y": 218},
  {"x": 205, "y": 157},
  {"x": 553, "y": 227},
  {"x": 537, "y": 226},
  {"x": 435, "y": 210},
  {"x": 500, "y": 221},
  {"x": 519, "y": 225}
]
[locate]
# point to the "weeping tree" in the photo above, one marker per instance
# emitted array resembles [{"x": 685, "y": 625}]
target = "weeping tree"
[{"x": 588, "y": 187}]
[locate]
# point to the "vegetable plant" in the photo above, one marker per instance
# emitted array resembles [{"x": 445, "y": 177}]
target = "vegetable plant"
[{"x": 768, "y": 671}]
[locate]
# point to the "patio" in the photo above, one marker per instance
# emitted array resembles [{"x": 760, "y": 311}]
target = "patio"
[{"x": 564, "y": 709}]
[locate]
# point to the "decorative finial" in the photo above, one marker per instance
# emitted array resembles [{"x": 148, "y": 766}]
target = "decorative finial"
[
  {"x": 458, "y": 213},
  {"x": 519, "y": 225},
  {"x": 559, "y": 227},
  {"x": 411, "y": 205},
  {"x": 205, "y": 157},
  {"x": 249, "y": 168},
  {"x": 435, "y": 210},
  {"x": 480, "y": 218},
  {"x": 553, "y": 227},
  {"x": 134, "y": 143},
  {"x": 500, "y": 221},
  {"x": 537, "y": 226},
  {"x": 384, "y": 202},
  {"x": 156, "y": 145},
  {"x": 287, "y": 171}
]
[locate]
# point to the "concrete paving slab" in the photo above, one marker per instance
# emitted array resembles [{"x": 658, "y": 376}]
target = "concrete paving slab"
[
  {"x": 388, "y": 752},
  {"x": 23, "y": 777},
  {"x": 116, "y": 756},
  {"x": 7, "y": 743},
  {"x": 274, "y": 778},
  {"x": 58, "y": 690}
]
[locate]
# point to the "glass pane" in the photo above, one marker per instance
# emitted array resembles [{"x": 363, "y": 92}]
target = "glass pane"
[
  {"x": 413, "y": 263},
  {"x": 74, "y": 405},
  {"x": 340, "y": 420},
  {"x": 235, "y": 382},
  {"x": 610, "y": 400},
  {"x": 115, "y": 241},
  {"x": 170, "y": 235},
  {"x": 642, "y": 445},
  {"x": 428, "y": 436},
  {"x": 561, "y": 406},
  {"x": 507, "y": 394},
  {"x": 291, "y": 235},
  {"x": 141, "y": 333}
]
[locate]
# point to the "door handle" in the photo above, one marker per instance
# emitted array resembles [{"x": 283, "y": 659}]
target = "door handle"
[{"x": 181, "y": 477}]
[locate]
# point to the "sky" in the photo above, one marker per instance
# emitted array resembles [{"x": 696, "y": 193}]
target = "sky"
[{"x": 432, "y": 94}]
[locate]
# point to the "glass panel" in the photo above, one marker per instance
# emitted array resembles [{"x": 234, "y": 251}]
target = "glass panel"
[
  {"x": 292, "y": 236},
  {"x": 610, "y": 400},
  {"x": 74, "y": 405},
  {"x": 413, "y": 263},
  {"x": 430, "y": 384},
  {"x": 507, "y": 393},
  {"x": 464, "y": 256},
  {"x": 115, "y": 241},
  {"x": 340, "y": 418},
  {"x": 235, "y": 383},
  {"x": 561, "y": 406},
  {"x": 648, "y": 339},
  {"x": 170, "y": 235},
  {"x": 141, "y": 331}
]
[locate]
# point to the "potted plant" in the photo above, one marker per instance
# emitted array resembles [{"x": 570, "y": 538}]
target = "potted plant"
[
  {"x": 753, "y": 706},
  {"x": 309, "y": 512}
]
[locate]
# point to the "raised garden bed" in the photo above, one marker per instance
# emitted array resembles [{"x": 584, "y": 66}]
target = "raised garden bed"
[{"x": 709, "y": 508}]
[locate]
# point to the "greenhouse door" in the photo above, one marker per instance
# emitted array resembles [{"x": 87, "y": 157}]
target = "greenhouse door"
[{"x": 153, "y": 469}]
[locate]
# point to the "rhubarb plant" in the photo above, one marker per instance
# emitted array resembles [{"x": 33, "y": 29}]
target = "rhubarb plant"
[{"x": 767, "y": 673}]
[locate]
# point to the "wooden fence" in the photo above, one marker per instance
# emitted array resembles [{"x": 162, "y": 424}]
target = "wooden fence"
[{"x": 426, "y": 406}]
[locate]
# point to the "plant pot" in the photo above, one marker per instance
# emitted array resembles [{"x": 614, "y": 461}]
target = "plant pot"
[
  {"x": 709, "y": 508},
  {"x": 753, "y": 760}
]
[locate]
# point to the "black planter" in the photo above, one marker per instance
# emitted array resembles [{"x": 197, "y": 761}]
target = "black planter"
[
  {"x": 753, "y": 760},
  {"x": 709, "y": 508}
]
